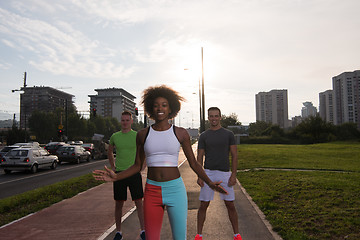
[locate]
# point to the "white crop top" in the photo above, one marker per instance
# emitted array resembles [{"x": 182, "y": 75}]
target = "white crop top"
[{"x": 161, "y": 148}]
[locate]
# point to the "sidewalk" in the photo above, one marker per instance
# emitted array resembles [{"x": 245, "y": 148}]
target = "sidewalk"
[{"x": 90, "y": 215}]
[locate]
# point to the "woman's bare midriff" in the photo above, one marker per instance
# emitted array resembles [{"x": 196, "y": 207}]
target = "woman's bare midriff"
[{"x": 163, "y": 174}]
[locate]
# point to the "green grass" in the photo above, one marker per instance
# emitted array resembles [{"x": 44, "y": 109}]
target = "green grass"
[
  {"x": 15, "y": 207},
  {"x": 330, "y": 156},
  {"x": 306, "y": 205}
]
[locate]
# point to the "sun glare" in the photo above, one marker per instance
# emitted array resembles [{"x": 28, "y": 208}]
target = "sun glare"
[{"x": 186, "y": 72}]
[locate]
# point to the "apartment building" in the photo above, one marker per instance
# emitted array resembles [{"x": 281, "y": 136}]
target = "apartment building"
[
  {"x": 272, "y": 107},
  {"x": 41, "y": 98},
  {"x": 346, "y": 93},
  {"x": 326, "y": 106},
  {"x": 111, "y": 102},
  {"x": 308, "y": 110}
]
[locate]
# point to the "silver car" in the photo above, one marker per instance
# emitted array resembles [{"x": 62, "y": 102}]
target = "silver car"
[{"x": 22, "y": 159}]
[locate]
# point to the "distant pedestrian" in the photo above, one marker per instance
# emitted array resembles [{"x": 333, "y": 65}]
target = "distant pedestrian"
[
  {"x": 160, "y": 144},
  {"x": 216, "y": 143},
  {"x": 124, "y": 142}
]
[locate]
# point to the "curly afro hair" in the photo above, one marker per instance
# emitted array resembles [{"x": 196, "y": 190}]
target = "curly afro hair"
[{"x": 151, "y": 93}]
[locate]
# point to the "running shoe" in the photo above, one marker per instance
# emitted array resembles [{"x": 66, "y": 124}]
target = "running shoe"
[
  {"x": 238, "y": 237},
  {"x": 118, "y": 236},
  {"x": 142, "y": 236},
  {"x": 198, "y": 237}
]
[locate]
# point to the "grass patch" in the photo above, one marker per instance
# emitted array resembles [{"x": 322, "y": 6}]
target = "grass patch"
[
  {"x": 306, "y": 205},
  {"x": 18, "y": 206},
  {"x": 324, "y": 156}
]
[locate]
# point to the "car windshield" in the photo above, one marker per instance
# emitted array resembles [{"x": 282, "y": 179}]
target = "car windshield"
[
  {"x": 7, "y": 149},
  {"x": 69, "y": 149},
  {"x": 62, "y": 148},
  {"x": 86, "y": 145},
  {"x": 18, "y": 153}
]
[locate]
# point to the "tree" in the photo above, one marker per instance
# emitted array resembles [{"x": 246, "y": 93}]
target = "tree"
[
  {"x": 259, "y": 128},
  {"x": 231, "y": 120},
  {"x": 14, "y": 135},
  {"x": 274, "y": 131},
  {"x": 314, "y": 130},
  {"x": 347, "y": 131},
  {"x": 43, "y": 125}
]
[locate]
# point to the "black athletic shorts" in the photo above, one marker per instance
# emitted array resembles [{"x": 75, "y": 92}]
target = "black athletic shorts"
[{"x": 135, "y": 186}]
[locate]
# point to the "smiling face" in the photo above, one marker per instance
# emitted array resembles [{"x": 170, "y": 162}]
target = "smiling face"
[
  {"x": 161, "y": 109},
  {"x": 214, "y": 118}
]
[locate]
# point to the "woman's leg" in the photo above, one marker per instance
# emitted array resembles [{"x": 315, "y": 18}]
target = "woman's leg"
[
  {"x": 153, "y": 211},
  {"x": 175, "y": 199}
]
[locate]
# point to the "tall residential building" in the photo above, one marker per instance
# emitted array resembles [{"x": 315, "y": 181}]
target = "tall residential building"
[
  {"x": 308, "y": 110},
  {"x": 111, "y": 102},
  {"x": 272, "y": 107},
  {"x": 326, "y": 105},
  {"x": 346, "y": 88},
  {"x": 41, "y": 98}
]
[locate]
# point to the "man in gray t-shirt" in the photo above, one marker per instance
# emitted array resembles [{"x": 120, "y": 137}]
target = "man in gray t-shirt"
[{"x": 216, "y": 144}]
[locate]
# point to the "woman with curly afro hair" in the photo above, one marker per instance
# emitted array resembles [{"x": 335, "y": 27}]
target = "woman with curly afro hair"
[{"x": 160, "y": 144}]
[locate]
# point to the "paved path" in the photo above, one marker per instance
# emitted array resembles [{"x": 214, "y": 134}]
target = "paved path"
[{"x": 90, "y": 216}]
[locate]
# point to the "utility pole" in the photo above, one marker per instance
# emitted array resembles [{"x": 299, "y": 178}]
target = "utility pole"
[
  {"x": 66, "y": 118},
  {"x": 202, "y": 114}
]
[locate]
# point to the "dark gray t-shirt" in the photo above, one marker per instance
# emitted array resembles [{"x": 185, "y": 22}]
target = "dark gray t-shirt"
[{"x": 216, "y": 144}]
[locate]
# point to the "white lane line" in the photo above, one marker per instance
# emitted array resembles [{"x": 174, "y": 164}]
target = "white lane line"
[{"x": 113, "y": 227}]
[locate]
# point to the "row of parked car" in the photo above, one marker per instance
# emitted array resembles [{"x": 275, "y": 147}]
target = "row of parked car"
[{"x": 31, "y": 156}]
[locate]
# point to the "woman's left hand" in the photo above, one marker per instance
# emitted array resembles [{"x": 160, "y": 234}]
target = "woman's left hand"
[{"x": 217, "y": 187}]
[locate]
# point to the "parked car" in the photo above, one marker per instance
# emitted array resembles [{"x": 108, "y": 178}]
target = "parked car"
[
  {"x": 28, "y": 145},
  {"x": 23, "y": 158},
  {"x": 73, "y": 153},
  {"x": 89, "y": 147},
  {"x": 52, "y": 147},
  {"x": 6, "y": 149}
]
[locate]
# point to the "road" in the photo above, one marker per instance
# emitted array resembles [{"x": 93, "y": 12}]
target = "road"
[{"x": 19, "y": 182}]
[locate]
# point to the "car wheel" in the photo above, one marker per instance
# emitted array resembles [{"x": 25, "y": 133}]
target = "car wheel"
[
  {"x": 7, "y": 171},
  {"x": 34, "y": 168},
  {"x": 88, "y": 159},
  {"x": 54, "y": 165}
]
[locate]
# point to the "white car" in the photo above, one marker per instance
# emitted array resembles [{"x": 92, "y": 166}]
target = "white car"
[{"x": 22, "y": 159}]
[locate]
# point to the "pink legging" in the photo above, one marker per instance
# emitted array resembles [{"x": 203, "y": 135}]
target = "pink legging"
[{"x": 171, "y": 194}]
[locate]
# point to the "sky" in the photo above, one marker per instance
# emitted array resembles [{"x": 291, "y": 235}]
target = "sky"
[{"x": 249, "y": 46}]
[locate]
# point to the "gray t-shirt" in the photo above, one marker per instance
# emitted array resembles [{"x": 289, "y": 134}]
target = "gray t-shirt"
[{"x": 216, "y": 144}]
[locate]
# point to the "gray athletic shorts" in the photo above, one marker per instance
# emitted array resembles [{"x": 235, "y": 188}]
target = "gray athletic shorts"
[{"x": 207, "y": 194}]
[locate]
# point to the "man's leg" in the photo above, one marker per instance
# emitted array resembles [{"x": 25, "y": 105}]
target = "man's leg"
[
  {"x": 118, "y": 214},
  {"x": 140, "y": 212},
  {"x": 232, "y": 215},
  {"x": 137, "y": 194},
  {"x": 202, "y": 215}
]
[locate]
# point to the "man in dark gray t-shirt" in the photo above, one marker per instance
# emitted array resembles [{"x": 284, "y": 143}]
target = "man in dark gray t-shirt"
[{"x": 216, "y": 144}]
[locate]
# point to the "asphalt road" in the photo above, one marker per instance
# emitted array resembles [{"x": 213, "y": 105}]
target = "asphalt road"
[{"x": 19, "y": 182}]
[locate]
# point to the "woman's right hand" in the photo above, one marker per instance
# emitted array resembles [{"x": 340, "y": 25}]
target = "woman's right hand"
[{"x": 107, "y": 175}]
